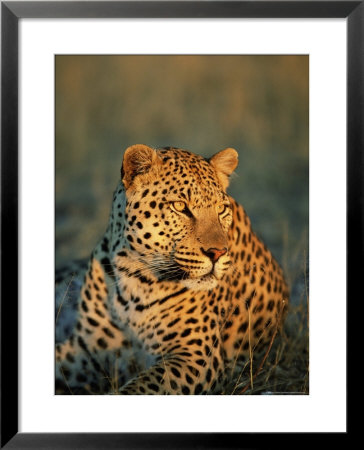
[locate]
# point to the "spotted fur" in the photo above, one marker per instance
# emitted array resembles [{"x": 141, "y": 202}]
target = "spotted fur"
[{"x": 179, "y": 289}]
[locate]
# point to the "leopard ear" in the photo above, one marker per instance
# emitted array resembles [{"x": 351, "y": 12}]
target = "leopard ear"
[
  {"x": 138, "y": 159},
  {"x": 224, "y": 163}
]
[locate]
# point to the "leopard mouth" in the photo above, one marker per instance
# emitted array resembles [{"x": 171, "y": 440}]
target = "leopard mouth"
[
  {"x": 208, "y": 277},
  {"x": 214, "y": 274},
  {"x": 204, "y": 283},
  {"x": 174, "y": 274},
  {"x": 178, "y": 274}
]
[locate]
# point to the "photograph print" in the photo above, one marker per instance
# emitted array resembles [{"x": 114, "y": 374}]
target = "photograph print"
[{"x": 181, "y": 232}]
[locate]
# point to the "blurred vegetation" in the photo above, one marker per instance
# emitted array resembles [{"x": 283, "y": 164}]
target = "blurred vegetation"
[{"x": 256, "y": 104}]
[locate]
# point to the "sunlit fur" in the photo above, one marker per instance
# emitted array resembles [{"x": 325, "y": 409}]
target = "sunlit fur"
[{"x": 178, "y": 290}]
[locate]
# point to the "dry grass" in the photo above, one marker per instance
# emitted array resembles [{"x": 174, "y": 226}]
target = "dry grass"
[{"x": 286, "y": 368}]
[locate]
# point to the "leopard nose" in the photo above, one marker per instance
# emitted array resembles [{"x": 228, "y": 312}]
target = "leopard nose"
[{"x": 214, "y": 253}]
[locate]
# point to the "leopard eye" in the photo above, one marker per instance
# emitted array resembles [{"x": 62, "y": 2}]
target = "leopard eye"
[
  {"x": 221, "y": 209},
  {"x": 179, "y": 206}
]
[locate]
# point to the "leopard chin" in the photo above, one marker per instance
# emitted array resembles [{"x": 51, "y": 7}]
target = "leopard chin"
[{"x": 204, "y": 283}]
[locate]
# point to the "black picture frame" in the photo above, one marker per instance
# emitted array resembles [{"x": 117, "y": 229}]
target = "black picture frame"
[{"x": 11, "y": 12}]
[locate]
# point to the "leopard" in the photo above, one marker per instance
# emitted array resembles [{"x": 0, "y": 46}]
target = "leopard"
[{"x": 178, "y": 293}]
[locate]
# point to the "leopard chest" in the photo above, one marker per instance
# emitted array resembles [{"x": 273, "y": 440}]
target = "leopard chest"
[{"x": 167, "y": 319}]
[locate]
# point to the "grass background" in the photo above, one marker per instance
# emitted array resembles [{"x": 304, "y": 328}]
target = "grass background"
[{"x": 256, "y": 104}]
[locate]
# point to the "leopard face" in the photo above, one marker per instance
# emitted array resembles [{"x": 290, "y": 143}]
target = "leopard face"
[{"x": 177, "y": 217}]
